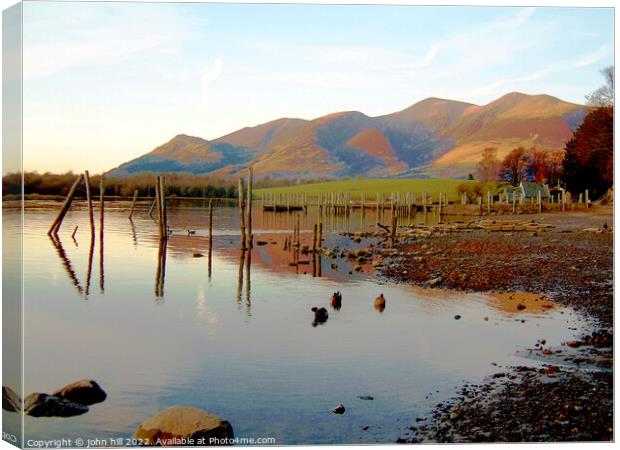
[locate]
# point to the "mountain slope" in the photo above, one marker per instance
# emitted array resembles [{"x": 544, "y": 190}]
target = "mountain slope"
[
  {"x": 434, "y": 137},
  {"x": 186, "y": 154},
  {"x": 513, "y": 120}
]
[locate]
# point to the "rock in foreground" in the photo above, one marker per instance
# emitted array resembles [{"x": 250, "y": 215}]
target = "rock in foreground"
[
  {"x": 182, "y": 425},
  {"x": 85, "y": 392},
  {"x": 43, "y": 405},
  {"x": 10, "y": 400}
]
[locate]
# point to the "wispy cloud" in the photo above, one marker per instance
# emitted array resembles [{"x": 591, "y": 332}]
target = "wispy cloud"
[
  {"x": 83, "y": 39},
  {"x": 497, "y": 87}
]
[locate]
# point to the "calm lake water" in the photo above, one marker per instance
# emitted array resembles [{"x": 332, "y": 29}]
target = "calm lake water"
[{"x": 248, "y": 351}]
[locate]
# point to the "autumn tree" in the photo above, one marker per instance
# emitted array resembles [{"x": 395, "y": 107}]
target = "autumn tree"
[
  {"x": 589, "y": 159},
  {"x": 545, "y": 166},
  {"x": 514, "y": 166},
  {"x": 488, "y": 167}
]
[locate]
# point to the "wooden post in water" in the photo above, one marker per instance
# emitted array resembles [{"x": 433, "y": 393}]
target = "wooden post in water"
[
  {"x": 242, "y": 215},
  {"x": 587, "y": 199},
  {"x": 65, "y": 207},
  {"x": 164, "y": 207},
  {"x": 133, "y": 203},
  {"x": 210, "y": 222},
  {"x": 158, "y": 204},
  {"x": 74, "y": 231},
  {"x": 539, "y": 202},
  {"x": 90, "y": 202},
  {"x": 314, "y": 237},
  {"x": 394, "y": 227},
  {"x": 250, "y": 238},
  {"x": 320, "y": 237}
]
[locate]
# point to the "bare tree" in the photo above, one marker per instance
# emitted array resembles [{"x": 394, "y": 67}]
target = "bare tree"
[
  {"x": 489, "y": 166},
  {"x": 603, "y": 96}
]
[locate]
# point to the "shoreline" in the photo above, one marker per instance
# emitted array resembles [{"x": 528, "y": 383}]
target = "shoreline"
[{"x": 569, "y": 398}]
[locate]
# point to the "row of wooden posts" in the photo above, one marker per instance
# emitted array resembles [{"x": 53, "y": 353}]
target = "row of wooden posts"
[
  {"x": 334, "y": 203},
  {"x": 55, "y": 227}
]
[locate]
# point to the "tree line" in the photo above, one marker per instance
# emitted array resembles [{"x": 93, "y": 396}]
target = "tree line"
[{"x": 177, "y": 184}]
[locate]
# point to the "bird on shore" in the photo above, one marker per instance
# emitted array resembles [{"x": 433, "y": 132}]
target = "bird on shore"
[
  {"x": 380, "y": 303},
  {"x": 320, "y": 316},
  {"x": 191, "y": 232},
  {"x": 336, "y": 301}
]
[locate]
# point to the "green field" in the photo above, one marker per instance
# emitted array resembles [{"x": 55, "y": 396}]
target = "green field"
[{"x": 432, "y": 186}]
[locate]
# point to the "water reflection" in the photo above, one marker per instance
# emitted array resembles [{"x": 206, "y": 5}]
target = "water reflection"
[
  {"x": 134, "y": 235},
  {"x": 101, "y": 268},
  {"x": 248, "y": 282},
  {"x": 273, "y": 366},
  {"x": 66, "y": 262},
  {"x": 240, "y": 276},
  {"x": 89, "y": 270},
  {"x": 161, "y": 268}
]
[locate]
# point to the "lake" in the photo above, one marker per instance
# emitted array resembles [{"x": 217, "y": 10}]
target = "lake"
[{"x": 236, "y": 338}]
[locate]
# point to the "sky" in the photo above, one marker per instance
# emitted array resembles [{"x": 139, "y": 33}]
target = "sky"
[{"x": 104, "y": 83}]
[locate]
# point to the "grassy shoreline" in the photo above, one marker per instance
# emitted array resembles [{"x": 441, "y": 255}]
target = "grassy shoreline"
[{"x": 432, "y": 186}]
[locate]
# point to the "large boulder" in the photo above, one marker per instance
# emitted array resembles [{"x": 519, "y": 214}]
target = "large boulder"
[
  {"x": 85, "y": 392},
  {"x": 44, "y": 405},
  {"x": 10, "y": 400},
  {"x": 182, "y": 425}
]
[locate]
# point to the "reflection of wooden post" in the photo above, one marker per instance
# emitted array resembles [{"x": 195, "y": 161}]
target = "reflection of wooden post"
[
  {"x": 152, "y": 207},
  {"x": 240, "y": 276},
  {"x": 66, "y": 262},
  {"x": 65, "y": 207},
  {"x": 101, "y": 206},
  {"x": 514, "y": 201},
  {"x": 249, "y": 209},
  {"x": 101, "y": 221},
  {"x": 133, "y": 202},
  {"x": 320, "y": 237},
  {"x": 161, "y": 268},
  {"x": 587, "y": 199},
  {"x": 248, "y": 281},
  {"x": 241, "y": 214},
  {"x": 89, "y": 200},
  {"x": 90, "y": 263},
  {"x": 74, "y": 231},
  {"x": 539, "y": 202}
]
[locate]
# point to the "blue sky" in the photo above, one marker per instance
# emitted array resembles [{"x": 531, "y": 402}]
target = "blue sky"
[{"x": 106, "y": 82}]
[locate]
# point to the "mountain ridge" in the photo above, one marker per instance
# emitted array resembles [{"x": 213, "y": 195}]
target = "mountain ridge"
[{"x": 432, "y": 137}]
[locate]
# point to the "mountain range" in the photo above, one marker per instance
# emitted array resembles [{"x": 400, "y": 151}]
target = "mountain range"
[{"x": 434, "y": 137}]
